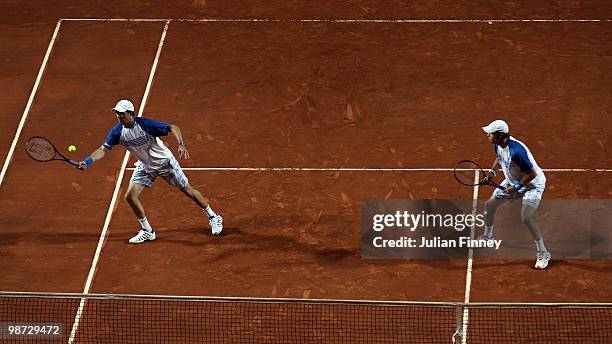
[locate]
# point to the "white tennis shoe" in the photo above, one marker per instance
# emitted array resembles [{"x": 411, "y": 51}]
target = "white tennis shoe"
[
  {"x": 216, "y": 223},
  {"x": 142, "y": 236},
  {"x": 542, "y": 261}
]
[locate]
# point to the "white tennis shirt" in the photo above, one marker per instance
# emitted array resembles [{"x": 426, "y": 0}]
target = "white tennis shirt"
[
  {"x": 516, "y": 159},
  {"x": 142, "y": 140}
]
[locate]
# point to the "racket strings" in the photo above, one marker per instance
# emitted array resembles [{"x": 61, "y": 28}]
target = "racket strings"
[
  {"x": 40, "y": 149},
  {"x": 464, "y": 172}
]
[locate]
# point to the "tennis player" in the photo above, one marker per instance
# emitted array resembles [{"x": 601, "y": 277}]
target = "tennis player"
[
  {"x": 524, "y": 179},
  {"x": 141, "y": 136}
]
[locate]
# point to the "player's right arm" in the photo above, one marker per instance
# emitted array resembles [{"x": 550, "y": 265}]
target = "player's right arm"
[
  {"x": 112, "y": 139},
  {"x": 494, "y": 168},
  {"x": 94, "y": 156}
]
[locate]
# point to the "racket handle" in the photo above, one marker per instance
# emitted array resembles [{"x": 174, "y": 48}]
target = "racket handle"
[{"x": 72, "y": 162}]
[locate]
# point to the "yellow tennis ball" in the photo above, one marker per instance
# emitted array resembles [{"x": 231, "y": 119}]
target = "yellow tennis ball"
[{"x": 72, "y": 148}]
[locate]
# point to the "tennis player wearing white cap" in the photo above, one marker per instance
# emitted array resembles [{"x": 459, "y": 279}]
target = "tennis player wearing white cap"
[
  {"x": 141, "y": 136},
  {"x": 524, "y": 179}
]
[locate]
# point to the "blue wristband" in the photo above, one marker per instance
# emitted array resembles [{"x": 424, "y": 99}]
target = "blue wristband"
[
  {"x": 88, "y": 161},
  {"x": 517, "y": 186}
]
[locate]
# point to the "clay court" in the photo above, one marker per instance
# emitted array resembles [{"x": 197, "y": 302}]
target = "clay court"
[{"x": 293, "y": 115}]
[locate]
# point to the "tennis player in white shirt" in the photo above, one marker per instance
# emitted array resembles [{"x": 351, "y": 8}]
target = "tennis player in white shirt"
[
  {"x": 141, "y": 136},
  {"x": 524, "y": 179}
]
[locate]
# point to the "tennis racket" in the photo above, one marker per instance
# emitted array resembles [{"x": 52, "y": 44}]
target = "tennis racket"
[
  {"x": 41, "y": 149},
  {"x": 464, "y": 173}
]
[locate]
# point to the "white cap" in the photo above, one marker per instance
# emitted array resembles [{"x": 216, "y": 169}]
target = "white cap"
[
  {"x": 495, "y": 126},
  {"x": 123, "y": 106}
]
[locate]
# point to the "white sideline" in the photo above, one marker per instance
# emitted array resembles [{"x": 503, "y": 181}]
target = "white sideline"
[
  {"x": 356, "y": 169},
  {"x": 111, "y": 206},
  {"x": 468, "y": 276},
  {"x": 24, "y": 116},
  {"x": 321, "y": 20}
]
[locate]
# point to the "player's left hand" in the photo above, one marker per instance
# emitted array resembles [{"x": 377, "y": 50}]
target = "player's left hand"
[
  {"x": 183, "y": 152},
  {"x": 488, "y": 180}
]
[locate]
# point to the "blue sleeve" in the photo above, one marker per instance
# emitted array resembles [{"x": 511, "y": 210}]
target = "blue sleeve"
[
  {"x": 113, "y": 136},
  {"x": 152, "y": 127},
  {"x": 521, "y": 158}
]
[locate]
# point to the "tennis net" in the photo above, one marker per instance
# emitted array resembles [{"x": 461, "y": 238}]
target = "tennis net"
[{"x": 103, "y": 318}]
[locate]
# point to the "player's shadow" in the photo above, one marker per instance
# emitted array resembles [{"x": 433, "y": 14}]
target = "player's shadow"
[
  {"x": 327, "y": 237},
  {"x": 47, "y": 237},
  {"x": 234, "y": 240},
  {"x": 598, "y": 265},
  {"x": 496, "y": 263},
  {"x": 330, "y": 239}
]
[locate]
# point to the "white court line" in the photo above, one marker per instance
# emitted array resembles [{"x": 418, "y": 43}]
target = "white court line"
[
  {"x": 312, "y": 169},
  {"x": 24, "y": 116},
  {"x": 468, "y": 275},
  {"x": 356, "y": 169},
  {"x": 120, "y": 19},
  {"x": 111, "y": 206},
  {"x": 577, "y": 170},
  {"x": 317, "y": 20}
]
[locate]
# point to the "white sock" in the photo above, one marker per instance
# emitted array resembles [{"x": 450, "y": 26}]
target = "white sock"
[
  {"x": 488, "y": 231},
  {"x": 210, "y": 212},
  {"x": 144, "y": 223},
  {"x": 540, "y": 246}
]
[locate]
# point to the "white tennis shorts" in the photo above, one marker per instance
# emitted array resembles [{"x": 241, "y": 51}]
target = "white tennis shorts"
[
  {"x": 531, "y": 194},
  {"x": 171, "y": 172}
]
